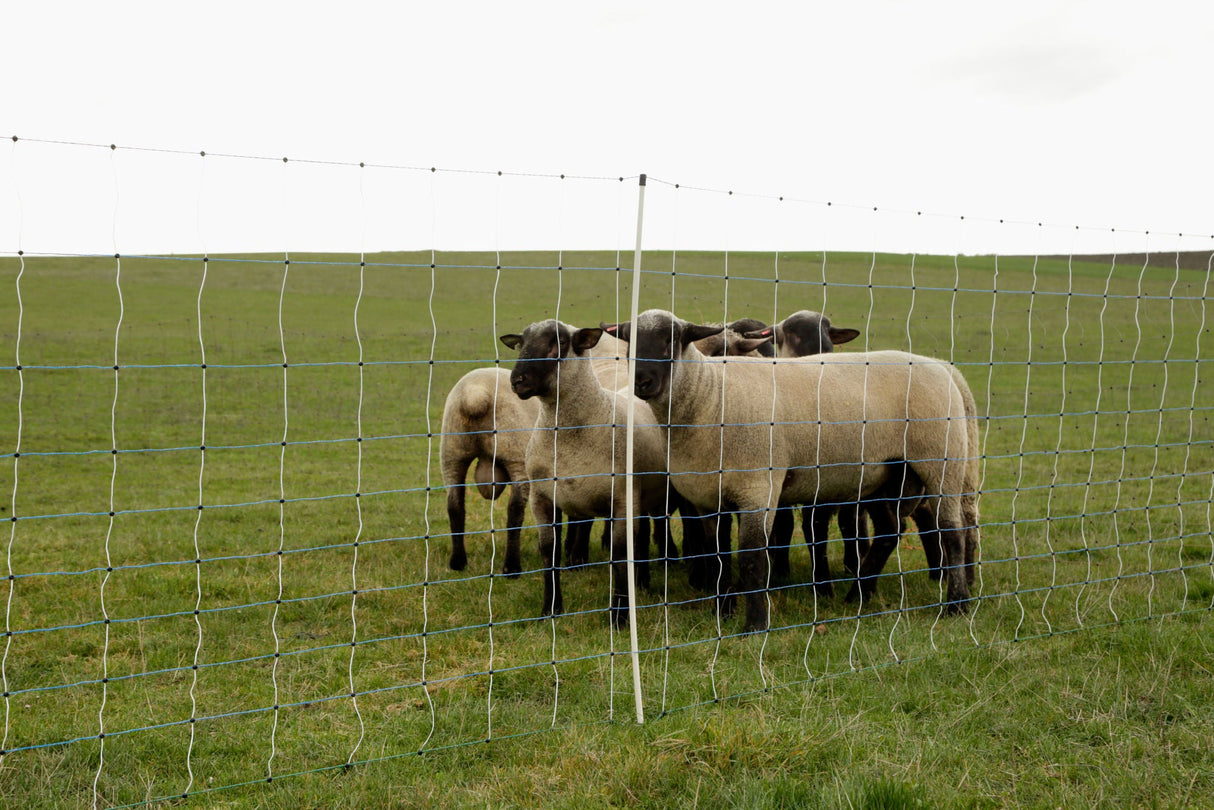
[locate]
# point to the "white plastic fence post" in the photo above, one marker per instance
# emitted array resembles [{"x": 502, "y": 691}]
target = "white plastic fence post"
[{"x": 631, "y": 423}]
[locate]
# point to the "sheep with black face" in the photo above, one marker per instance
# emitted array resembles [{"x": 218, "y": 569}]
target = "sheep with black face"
[
  {"x": 753, "y": 434},
  {"x": 807, "y": 333},
  {"x": 576, "y": 457}
]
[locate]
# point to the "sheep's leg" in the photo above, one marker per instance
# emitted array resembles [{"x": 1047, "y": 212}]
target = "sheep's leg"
[
  {"x": 885, "y": 539},
  {"x": 815, "y": 525},
  {"x": 969, "y": 516},
  {"x": 954, "y": 546},
  {"x": 722, "y": 527},
  {"x": 696, "y": 531},
  {"x": 753, "y": 530},
  {"x": 929, "y": 535},
  {"x": 456, "y": 512},
  {"x": 777, "y": 546},
  {"x": 641, "y": 542},
  {"x": 971, "y": 552},
  {"x": 547, "y": 519},
  {"x": 516, "y": 513},
  {"x": 577, "y": 542},
  {"x": 619, "y": 565},
  {"x": 853, "y": 525}
]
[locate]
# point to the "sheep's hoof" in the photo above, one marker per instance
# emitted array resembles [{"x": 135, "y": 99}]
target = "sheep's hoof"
[
  {"x": 935, "y": 574},
  {"x": 512, "y": 568},
  {"x": 853, "y": 595},
  {"x": 824, "y": 590},
  {"x": 577, "y": 560},
  {"x": 459, "y": 561}
]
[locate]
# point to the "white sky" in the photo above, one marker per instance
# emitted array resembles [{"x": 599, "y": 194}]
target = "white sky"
[{"x": 1068, "y": 113}]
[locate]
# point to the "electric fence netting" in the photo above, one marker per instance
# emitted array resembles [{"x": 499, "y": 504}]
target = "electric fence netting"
[{"x": 267, "y": 479}]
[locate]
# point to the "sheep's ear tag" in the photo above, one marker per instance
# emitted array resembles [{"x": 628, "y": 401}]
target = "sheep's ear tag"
[{"x": 620, "y": 331}]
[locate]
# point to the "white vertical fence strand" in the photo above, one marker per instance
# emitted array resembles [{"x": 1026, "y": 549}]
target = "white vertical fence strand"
[
  {"x": 897, "y": 555},
  {"x": 1049, "y": 497},
  {"x": 1188, "y": 449},
  {"x": 1163, "y": 396},
  {"x": 109, "y": 532},
  {"x": 1024, "y": 429},
  {"x": 630, "y": 539},
  {"x": 771, "y": 452},
  {"x": 282, "y": 524},
  {"x": 952, "y": 358},
  {"x": 722, "y": 515},
  {"x": 1196, "y": 373},
  {"x": 202, "y": 466},
  {"x": 497, "y": 361},
  {"x": 665, "y": 419},
  {"x": 358, "y": 504},
  {"x": 12, "y": 531},
  {"x": 910, "y": 347},
  {"x": 429, "y": 464},
  {"x": 1125, "y": 434},
  {"x": 556, "y": 474},
  {"x": 1087, "y": 490},
  {"x": 986, "y": 434},
  {"x": 813, "y": 623}
]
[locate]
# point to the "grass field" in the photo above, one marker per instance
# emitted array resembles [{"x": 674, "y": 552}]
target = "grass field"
[{"x": 278, "y": 604}]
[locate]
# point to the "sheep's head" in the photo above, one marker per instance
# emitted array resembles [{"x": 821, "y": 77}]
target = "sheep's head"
[
  {"x": 661, "y": 340},
  {"x": 540, "y": 348},
  {"x": 804, "y": 333}
]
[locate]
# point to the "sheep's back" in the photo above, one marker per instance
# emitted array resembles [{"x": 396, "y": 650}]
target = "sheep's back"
[
  {"x": 825, "y": 425},
  {"x": 485, "y": 419}
]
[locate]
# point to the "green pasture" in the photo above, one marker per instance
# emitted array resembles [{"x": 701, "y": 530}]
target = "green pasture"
[{"x": 255, "y": 615}]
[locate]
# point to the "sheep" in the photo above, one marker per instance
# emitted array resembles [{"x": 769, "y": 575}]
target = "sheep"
[
  {"x": 580, "y": 437},
  {"x": 805, "y": 333},
  {"x": 732, "y": 341},
  {"x": 484, "y": 422},
  {"x": 786, "y": 432}
]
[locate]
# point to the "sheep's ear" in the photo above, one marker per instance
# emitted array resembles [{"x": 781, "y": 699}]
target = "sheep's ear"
[
  {"x": 693, "y": 332},
  {"x": 620, "y": 331},
  {"x": 513, "y": 341},
  {"x": 747, "y": 344},
  {"x": 586, "y": 339},
  {"x": 838, "y": 336}
]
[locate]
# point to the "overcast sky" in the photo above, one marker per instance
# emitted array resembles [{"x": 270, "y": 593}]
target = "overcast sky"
[{"x": 1068, "y": 113}]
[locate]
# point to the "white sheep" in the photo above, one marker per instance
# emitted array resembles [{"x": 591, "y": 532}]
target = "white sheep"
[
  {"x": 576, "y": 460},
  {"x": 484, "y": 422},
  {"x": 807, "y": 333},
  {"x": 750, "y": 435}
]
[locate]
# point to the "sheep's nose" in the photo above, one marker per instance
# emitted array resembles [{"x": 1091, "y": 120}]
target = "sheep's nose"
[
  {"x": 646, "y": 386},
  {"x": 520, "y": 382}
]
